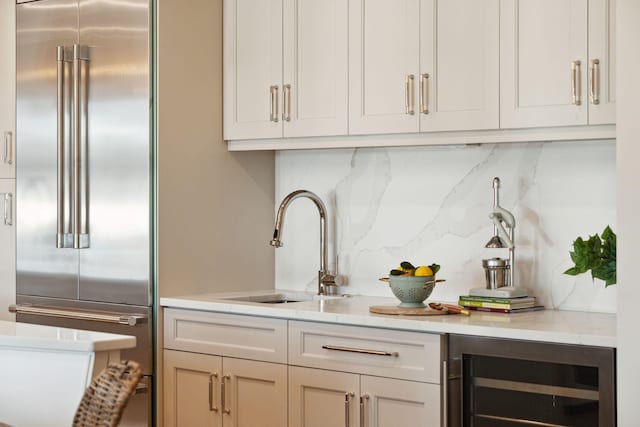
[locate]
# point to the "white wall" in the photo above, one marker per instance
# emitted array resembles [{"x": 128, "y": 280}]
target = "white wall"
[
  {"x": 628, "y": 155},
  {"x": 431, "y": 204}
]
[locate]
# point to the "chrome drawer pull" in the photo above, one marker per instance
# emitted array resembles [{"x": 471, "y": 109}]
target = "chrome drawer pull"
[
  {"x": 576, "y": 89},
  {"x": 408, "y": 94},
  {"x": 212, "y": 379},
  {"x": 347, "y": 407},
  {"x": 119, "y": 318},
  {"x": 223, "y": 394},
  {"x": 361, "y": 350},
  {"x": 594, "y": 82},
  {"x": 363, "y": 409}
]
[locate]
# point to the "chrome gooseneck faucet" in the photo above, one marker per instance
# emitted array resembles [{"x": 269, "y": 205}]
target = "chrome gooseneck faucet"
[{"x": 326, "y": 281}]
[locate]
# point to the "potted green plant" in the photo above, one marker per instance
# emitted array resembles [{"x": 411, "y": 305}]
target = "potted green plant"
[{"x": 598, "y": 254}]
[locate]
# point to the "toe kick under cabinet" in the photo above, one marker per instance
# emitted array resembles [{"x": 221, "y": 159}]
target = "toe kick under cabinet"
[{"x": 246, "y": 371}]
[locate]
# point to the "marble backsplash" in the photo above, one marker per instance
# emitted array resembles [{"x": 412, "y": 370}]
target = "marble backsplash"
[{"x": 432, "y": 204}]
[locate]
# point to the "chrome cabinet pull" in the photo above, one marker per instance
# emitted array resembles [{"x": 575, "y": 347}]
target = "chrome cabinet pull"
[
  {"x": 212, "y": 379},
  {"x": 63, "y": 232},
  {"x": 408, "y": 94},
  {"x": 361, "y": 350},
  {"x": 8, "y": 148},
  {"x": 594, "y": 81},
  {"x": 8, "y": 209},
  {"x": 576, "y": 88},
  {"x": 42, "y": 310},
  {"x": 363, "y": 409},
  {"x": 79, "y": 138},
  {"x": 286, "y": 108},
  {"x": 347, "y": 407},
  {"x": 424, "y": 93},
  {"x": 273, "y": 90},
  {"x": 223, "y": 394}
]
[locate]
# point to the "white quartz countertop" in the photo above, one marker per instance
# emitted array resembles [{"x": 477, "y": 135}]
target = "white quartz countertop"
[
  {"x": 566, "y": 327},
  {"x": 24, "y": 335}
]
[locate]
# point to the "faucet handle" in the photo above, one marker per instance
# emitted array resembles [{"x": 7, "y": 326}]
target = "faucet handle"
[
  {"x": 330, "y": 283},
  {"x": 276, "y": 243}
]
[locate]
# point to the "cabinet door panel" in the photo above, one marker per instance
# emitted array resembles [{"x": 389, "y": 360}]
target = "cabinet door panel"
[
  {"x": 7, "y": 248},
  {"x": 316, "y": 67},
  {"x": 602, "y": 48},
  {"x": 383, "y": 51},
  {"x": 187, "y": 389},
  {"x": 317, "y": 398},
  {"x": 392, "y": 402},
  {"x": 7, "y": 88},
  {"x": 255, "y": 393},
  {"x": 459, "y": 50},
  {"x": 539, "y": 41},
  {"x": 252, "y": 64}
]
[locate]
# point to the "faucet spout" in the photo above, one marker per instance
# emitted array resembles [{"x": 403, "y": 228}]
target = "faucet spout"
[{"x": 324, "y": 278}]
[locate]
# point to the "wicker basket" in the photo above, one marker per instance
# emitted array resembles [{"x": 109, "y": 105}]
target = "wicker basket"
[{"x": 106, "y": 397}]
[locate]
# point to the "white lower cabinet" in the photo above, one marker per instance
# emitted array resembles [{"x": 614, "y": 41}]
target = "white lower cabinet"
[
  {"x": 206, "y": 390},
  {"x": 321, "y": 398},
  {"x": 247, "y": 371}
]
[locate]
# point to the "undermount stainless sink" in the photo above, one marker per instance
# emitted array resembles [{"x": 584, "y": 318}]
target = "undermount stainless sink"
[{"x": 282, "y": 298}]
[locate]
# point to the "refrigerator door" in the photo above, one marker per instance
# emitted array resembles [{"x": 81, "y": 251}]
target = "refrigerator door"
[
  {"x": 138, "y": 410},
  {"x": 41, "y": 27},
  {"x": 116, "y": 265}
]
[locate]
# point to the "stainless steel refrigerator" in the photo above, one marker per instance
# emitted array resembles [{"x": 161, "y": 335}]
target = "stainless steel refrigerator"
[{"x": 84, "y": 172}]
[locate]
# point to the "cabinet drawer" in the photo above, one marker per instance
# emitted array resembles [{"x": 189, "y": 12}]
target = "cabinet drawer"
[
  {"x": 396, "y": 354},
  {"x": 245, "y": 337}
]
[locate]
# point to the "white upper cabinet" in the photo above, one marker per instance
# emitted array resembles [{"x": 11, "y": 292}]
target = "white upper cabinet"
[
  {"x": 423, "y": 65},
  {"x": 252, "y": 68},
  {"x": 285, "y": 68},
  {"x": 543, "y": 63},
  {"x": 7, "y": 89},
  {"x": 384, "y": 63},
  {"x": 537, "y": 70},
  {"x": 602, "y": 61},
  {"x": 315, "y": 92},
  {"x": 459, "y": 65}
]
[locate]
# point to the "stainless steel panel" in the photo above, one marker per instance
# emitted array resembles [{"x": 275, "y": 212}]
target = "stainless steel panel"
[
  {"x": 142, "y": 353},
  {"x": 116, "y": 266},
  {"x": 42, "y": 269},
  {"x": 138, "y": 411}
]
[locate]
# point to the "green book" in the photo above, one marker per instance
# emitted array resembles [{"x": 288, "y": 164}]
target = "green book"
[{"x": 519, "y": 300}]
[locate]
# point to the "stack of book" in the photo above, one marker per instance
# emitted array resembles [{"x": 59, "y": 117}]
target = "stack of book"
[{"x": 499, "y": 305}]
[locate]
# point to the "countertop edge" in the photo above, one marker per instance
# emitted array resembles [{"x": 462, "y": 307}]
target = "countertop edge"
[{"x": 487, "y": 324}]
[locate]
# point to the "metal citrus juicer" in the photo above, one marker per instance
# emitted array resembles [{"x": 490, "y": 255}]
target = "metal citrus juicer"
[{"x": 499, "y": 272}]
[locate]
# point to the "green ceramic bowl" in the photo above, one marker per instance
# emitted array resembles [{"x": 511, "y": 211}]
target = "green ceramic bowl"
[{"x": 411, "y": 290}]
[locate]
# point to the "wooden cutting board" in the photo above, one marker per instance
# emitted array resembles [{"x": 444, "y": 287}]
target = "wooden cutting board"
[{"x": 394, "y": 309}]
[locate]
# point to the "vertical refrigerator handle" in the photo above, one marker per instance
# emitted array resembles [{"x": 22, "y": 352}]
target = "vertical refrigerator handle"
[
  {"x": 79, "y": 147},
  {"x": 63, "y": 233}
]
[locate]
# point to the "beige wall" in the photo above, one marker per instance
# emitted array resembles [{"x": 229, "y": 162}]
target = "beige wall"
[
  {"x": 215, "y": 208},
  {"x": 628, "y": 154}
]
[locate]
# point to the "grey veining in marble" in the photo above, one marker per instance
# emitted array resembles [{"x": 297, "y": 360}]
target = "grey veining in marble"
[{"x": 431, "y": 204}]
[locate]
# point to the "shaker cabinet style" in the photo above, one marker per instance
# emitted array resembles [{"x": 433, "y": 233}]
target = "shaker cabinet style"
[
  {"x": 205, "y": 390},
  {"x": 423, "y": 65},
  {"x": 218, "y": 370},
  {"x": 285, "y": 68},
  {"x": 7, "y": 89},
  {"x": 7, "y": 247},
  {"x": 602, "y": 61},
  {"x": 239, "y": 370},
  {"x": 356, "y": 376},
  {"x": 556, "y": 59},
  {"x": 328, "y": 399}
]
